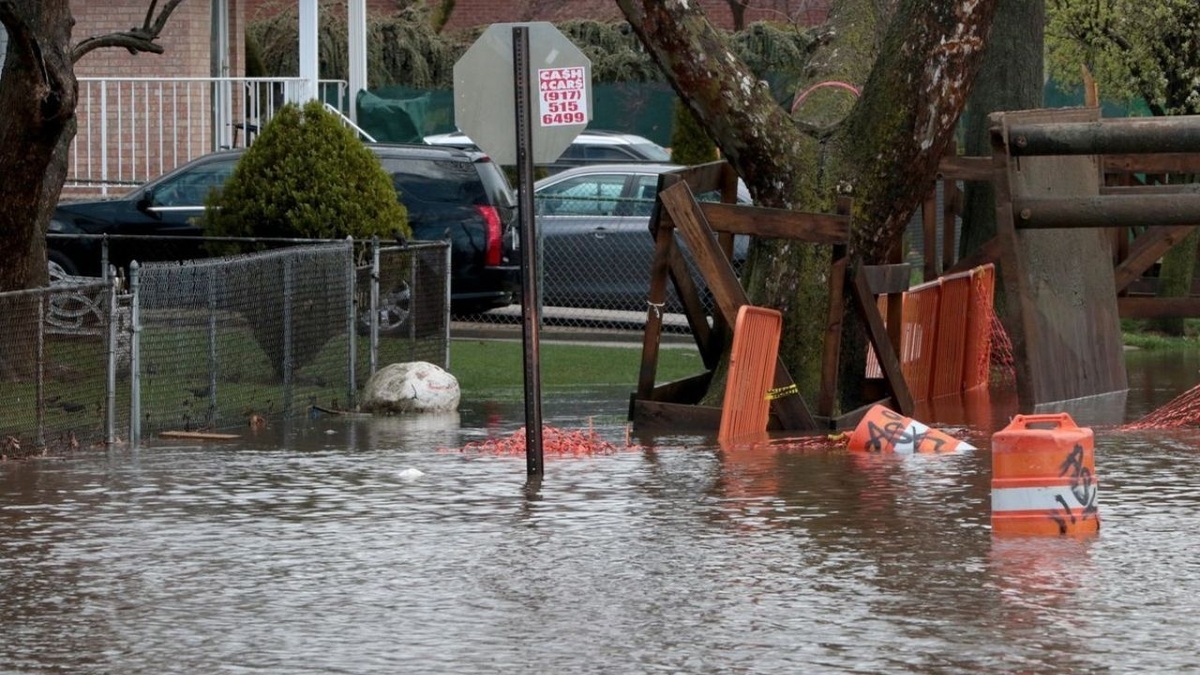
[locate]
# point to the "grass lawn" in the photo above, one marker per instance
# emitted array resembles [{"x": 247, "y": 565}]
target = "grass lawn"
[
  {"x": 1137, "y": 333},
  {"x": 496, "y": 367}
]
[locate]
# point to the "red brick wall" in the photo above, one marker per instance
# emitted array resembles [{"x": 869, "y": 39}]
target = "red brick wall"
[
  {"x": 185, "y": 40},
  {"x": 469, "y": 13},
  {"x": 143, "y": 139}
]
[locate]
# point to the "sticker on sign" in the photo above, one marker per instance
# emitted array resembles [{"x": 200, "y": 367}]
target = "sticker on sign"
[{"x": 562, "y": 96}]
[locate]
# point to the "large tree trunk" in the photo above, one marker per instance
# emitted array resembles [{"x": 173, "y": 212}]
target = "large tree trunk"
[
  {"x": 883, "y": 153},
  {"x": 37, "y": 106},
  {"x": 38, "y": 93},
  {"x": 37, "y": 122},
  {"x": 1011, "y": 78}
]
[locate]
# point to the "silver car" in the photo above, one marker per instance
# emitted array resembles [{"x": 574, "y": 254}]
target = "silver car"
[
  {"x": 591, "y": 146},
  {"x": 594, "y": 226}
]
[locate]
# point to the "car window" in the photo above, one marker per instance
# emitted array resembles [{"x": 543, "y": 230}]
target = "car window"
[
  {"x": 608, "y": 153},
  {"x": 435, "y": 181},
  {"x": 652, "y": 152},
  {"x": 644, "y": 194},
  {"x": 496, "y": 184},
  {"x": 582, "y": 196},
  {"x": 191, "y": 187},
  {"x": 574, "y": 151}
]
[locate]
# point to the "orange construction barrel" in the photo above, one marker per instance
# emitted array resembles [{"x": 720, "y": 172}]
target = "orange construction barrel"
[
  {"x": 885, "y": 430},
  {"x": 1044, "y": 477}
]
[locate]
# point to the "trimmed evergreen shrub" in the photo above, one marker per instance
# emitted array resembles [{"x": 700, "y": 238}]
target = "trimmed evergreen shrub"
[{"x": 307, "y": 175}]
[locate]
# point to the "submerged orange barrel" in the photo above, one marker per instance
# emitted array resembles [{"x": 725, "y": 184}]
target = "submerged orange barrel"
[
  {"x": 1044, "y": 477},
  {"x": 884, "y": 430}
]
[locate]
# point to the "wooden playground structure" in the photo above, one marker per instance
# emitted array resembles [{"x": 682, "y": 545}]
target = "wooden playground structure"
[{"x": 1062, "y": 169}]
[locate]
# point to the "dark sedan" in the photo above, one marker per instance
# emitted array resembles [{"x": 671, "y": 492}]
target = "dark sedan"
[{"x": 450, "y": 194}]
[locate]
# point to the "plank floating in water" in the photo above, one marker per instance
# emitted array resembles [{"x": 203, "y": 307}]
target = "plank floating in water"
[
  {"x": 340, "y": 413},
  {"x": 199, "y": 435}
]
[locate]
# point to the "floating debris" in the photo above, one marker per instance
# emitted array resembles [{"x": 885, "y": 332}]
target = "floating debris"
[{"x": 555, "y": 442}]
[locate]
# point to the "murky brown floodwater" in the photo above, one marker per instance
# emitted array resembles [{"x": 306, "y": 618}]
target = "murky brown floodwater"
[{"x": 313, "y": 551}]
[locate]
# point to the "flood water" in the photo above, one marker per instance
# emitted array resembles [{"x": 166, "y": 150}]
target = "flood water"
[{"x": 315, "y": 549}]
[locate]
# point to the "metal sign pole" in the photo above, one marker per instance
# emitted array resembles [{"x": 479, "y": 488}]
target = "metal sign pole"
[{"x": 530, "y": 309}]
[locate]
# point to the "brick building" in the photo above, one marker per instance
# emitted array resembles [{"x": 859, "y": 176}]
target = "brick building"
[
  {"x": 469, "y": 13},
  {"x": 188, "y": 38}
]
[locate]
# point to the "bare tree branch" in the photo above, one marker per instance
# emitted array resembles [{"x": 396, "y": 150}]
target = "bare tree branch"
[{"x": 135, "y": 39}]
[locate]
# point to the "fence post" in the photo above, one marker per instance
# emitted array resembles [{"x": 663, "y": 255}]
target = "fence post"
[
  {"x": 212, "y": 344},
  {"x": 446, "y": 305},
  {"x": 110, "y": 385},
  {"x": 352, "y": 352},
  {"x": 135, "y": 358},
  {"x": 40, "y": 403},
  {"x": 104, "y": 271},
  {"x": 287, "y": 336},
  {"x": 412, "y": 257},
  {"x": 373, "y": 307}
]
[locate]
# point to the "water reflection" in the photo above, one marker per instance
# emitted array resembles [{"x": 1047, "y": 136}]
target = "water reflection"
[{"x": 342, "y": 545}]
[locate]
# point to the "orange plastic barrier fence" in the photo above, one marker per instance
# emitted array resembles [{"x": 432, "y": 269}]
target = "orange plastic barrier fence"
[
  {"x": 918, "y": 340},
  {"x": 952, "y": 330},
  {"x": 884, "y": 430},
  {"x": 747, "y": 405},
  {"x": 1044, "y": 477},
  {"x": 945, "y": 343}
]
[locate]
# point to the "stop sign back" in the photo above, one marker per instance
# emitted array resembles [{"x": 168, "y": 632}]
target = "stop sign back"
[{"x": 560, "y": 86}]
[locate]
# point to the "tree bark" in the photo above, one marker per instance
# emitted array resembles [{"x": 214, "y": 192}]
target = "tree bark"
[
  {"x": 1011, "y": 78},
  {"x": 883, "y": 152},
  {"x": 37, "y": 122},
  {"x": 38, "y": 94}
]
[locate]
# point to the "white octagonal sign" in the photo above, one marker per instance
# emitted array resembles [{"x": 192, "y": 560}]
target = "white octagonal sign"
[{"x": 560, "y": 79}]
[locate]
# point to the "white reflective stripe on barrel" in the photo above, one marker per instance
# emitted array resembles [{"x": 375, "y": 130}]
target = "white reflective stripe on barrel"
[
  {"x": 914, "y": 435},
  {"x": 1035, "y": 498}
]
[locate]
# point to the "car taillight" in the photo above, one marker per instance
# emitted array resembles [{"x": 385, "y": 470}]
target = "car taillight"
[{"x": 491, "y": 218}]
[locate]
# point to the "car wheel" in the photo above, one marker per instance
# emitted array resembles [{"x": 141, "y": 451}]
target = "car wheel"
[{"x": 395, "y": 308}]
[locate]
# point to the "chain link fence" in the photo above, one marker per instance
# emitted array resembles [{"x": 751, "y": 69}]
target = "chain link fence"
[
  {"x": 411, "y": 305},
  {"x": 206, "y": 344},
  {"x": 223, "y": 339},
  {"x": 596, "y": 254},
  {"x": 58, "y": 363}
]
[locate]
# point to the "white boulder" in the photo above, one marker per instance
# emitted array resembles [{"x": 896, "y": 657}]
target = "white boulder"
[{"x": 415, "y": 386}]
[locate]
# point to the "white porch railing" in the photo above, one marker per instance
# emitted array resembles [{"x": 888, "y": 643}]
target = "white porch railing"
[{"x": 134, "y": 129}]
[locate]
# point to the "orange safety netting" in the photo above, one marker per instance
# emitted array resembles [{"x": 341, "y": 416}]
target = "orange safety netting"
[
  {"x": 1003, "y": 363},
  {"x": 555, "y": 442},
  {"x": 1181, "y": 411},
  {"x": 980, "y": 342}
]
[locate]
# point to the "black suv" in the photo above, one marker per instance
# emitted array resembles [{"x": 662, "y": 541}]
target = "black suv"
[{"x": 451, "y": 194}]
